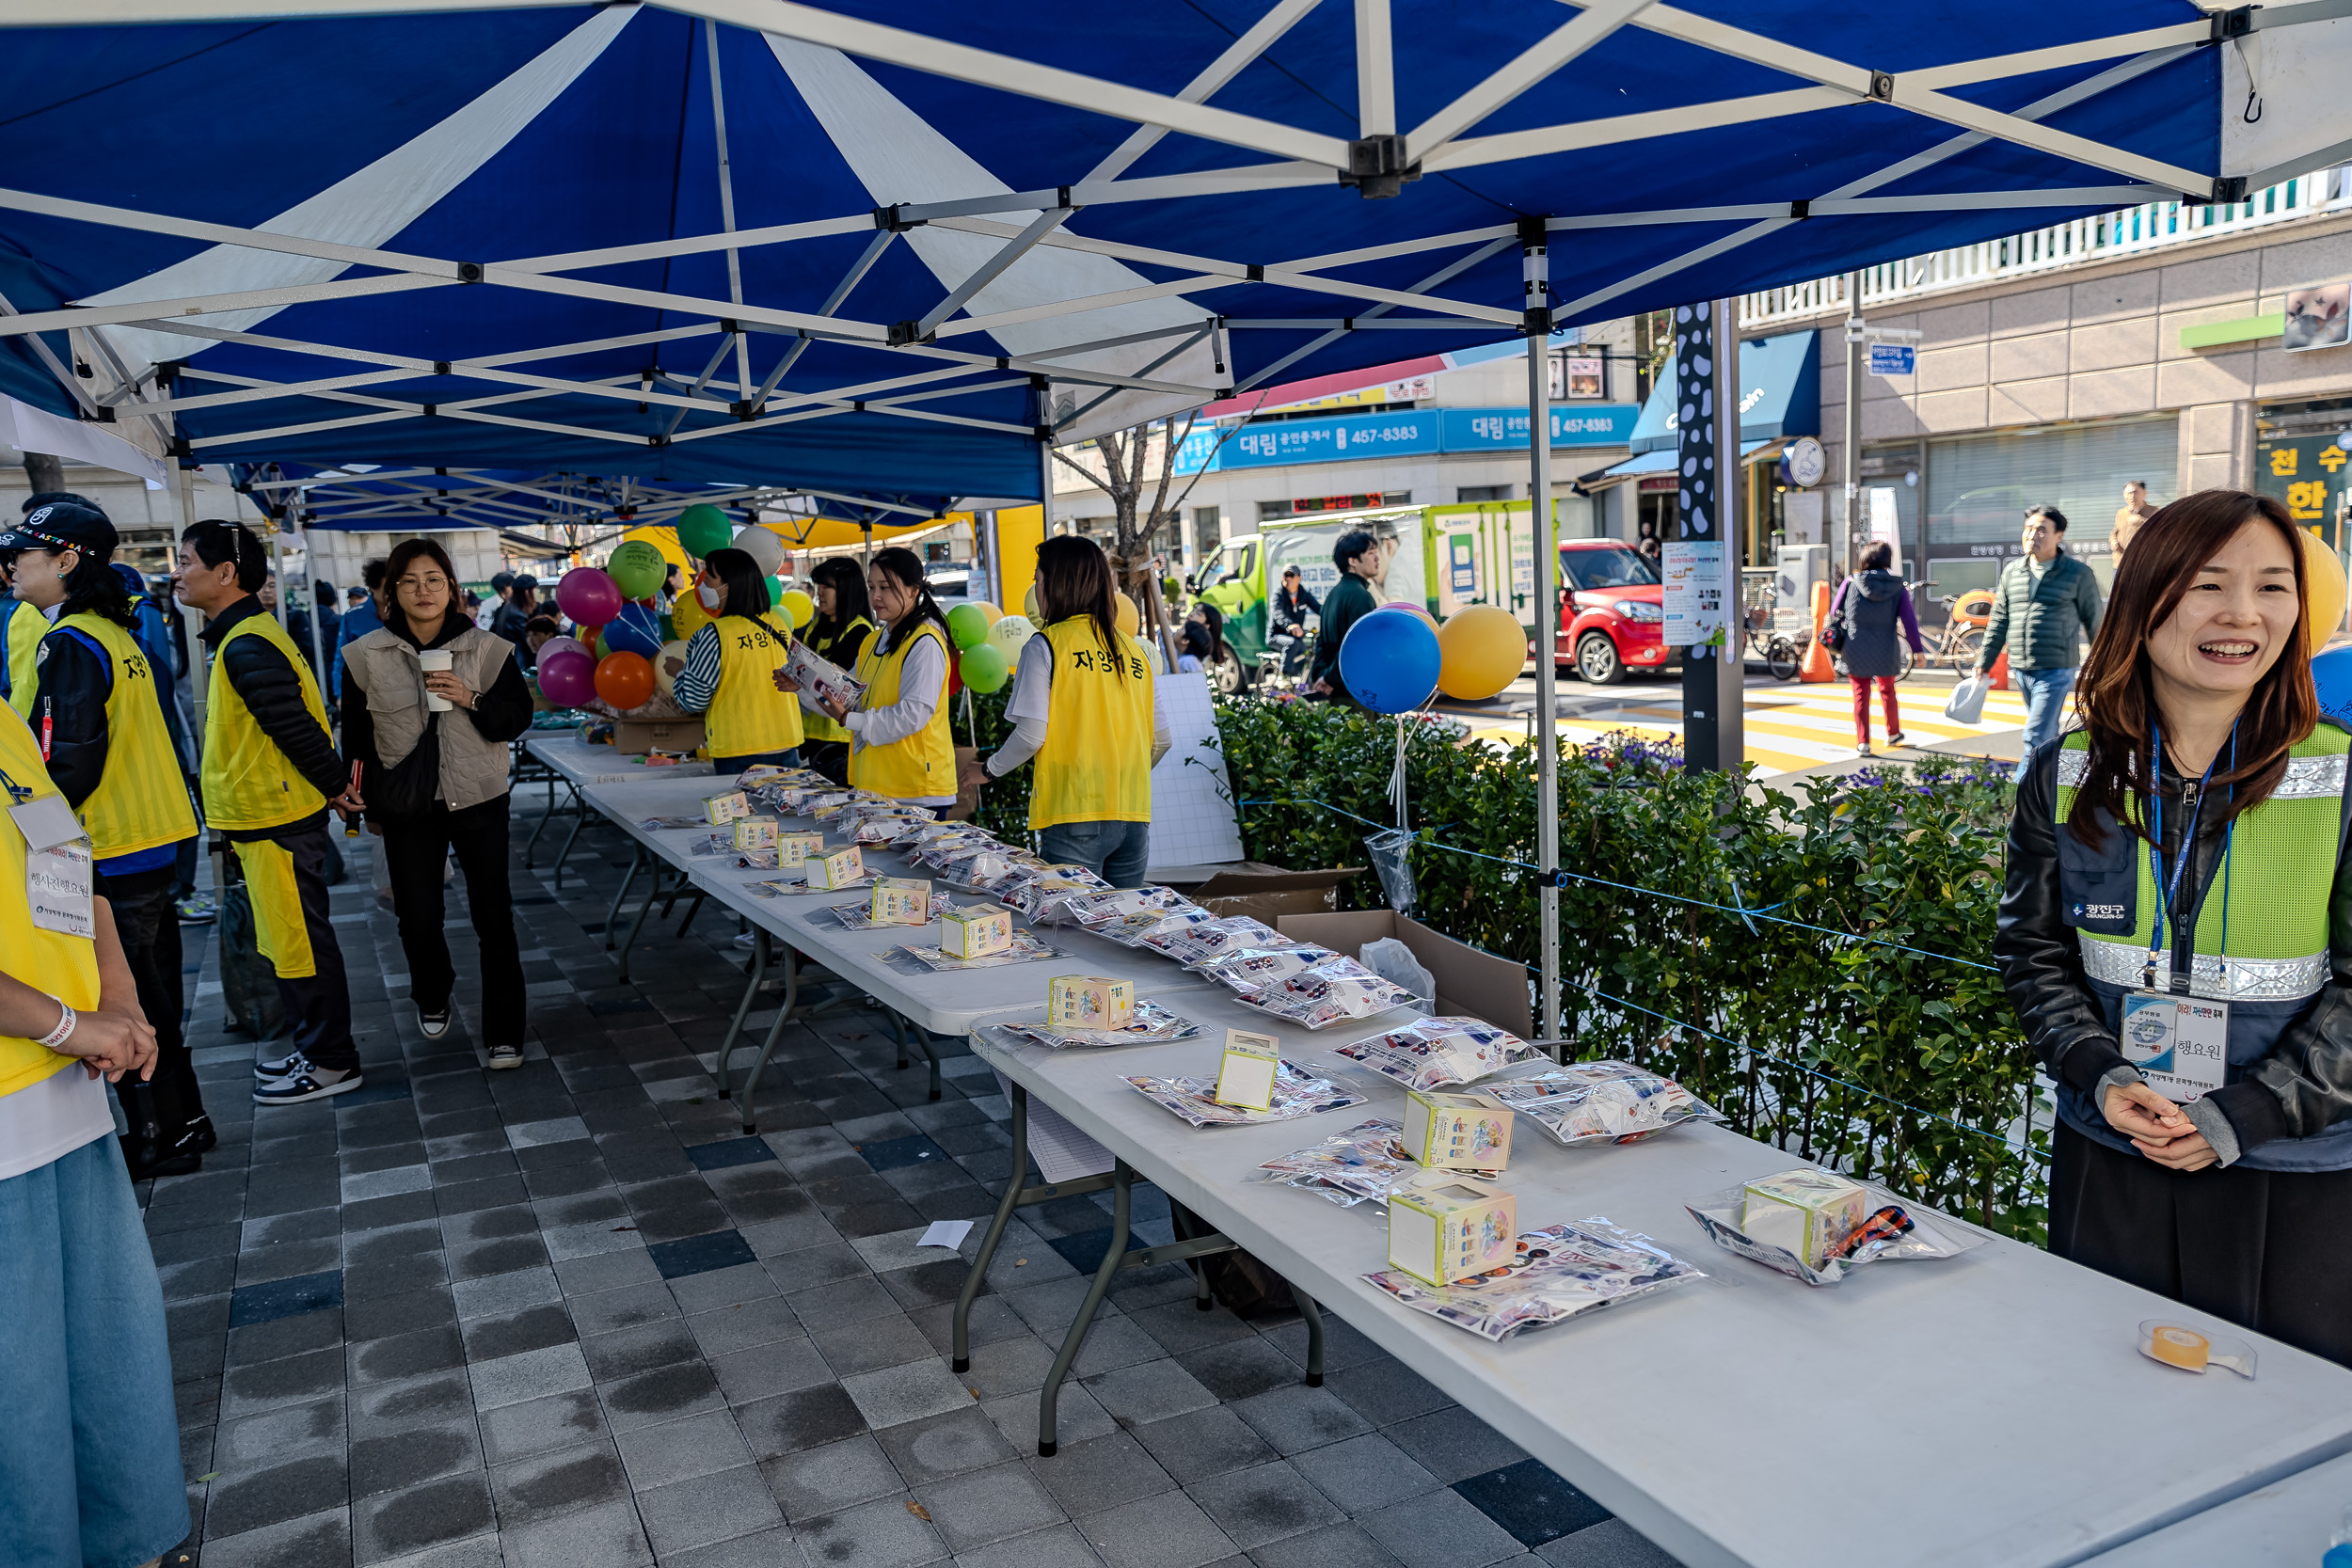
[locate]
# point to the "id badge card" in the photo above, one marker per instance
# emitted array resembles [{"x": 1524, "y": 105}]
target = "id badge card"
[
  {"x": 2181, "y": 1044},
  {"x": 58, "y": 867}
]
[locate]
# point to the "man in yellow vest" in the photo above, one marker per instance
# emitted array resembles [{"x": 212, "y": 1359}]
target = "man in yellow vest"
[
  {"x": 98, "y": 716},
  {"x": 269, "y": 774}
]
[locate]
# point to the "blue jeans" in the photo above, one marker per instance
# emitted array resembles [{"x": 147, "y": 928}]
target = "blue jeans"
[
  {"x": 726, "y": 767},
  {"x": 89, "y": 1449},
  {"x": 2046, "y": 708},
  {"x": 1115, "y": 851}
]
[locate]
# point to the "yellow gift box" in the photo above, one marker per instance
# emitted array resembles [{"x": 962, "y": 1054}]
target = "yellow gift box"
[
  {"x": 754, "y": 833},
  {"x": 1245, "y": 1074},
  {"x": 974, "y": 930},
  {"x": 794, "y": 849},
  {"x": 829, "y": 873},
  {"x": 1807, "y": 1212},
  {"x": 1445, "y": 1233},
  {"x": 1456, "y": 1132},
  {"x": 723, "y": 808},
  {"x": 1090, "y": 1002},
  {"x": 900, "y": 901}
]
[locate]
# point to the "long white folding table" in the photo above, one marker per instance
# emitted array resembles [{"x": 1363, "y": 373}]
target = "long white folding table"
[
  {"x": 2287, "y": 1524},
  {"x": 1986, "y": 1409},
  {"x": 576, "y": 764}
]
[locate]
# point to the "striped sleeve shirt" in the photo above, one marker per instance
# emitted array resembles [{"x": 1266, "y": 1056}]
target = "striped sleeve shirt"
[{"x": 699, "y": 681}]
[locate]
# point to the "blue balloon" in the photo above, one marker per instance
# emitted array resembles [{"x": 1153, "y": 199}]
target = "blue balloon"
[
  {"x": 1389, "y": 661},
  {"x": 2332, "y": 673},
  {"x": 636, "y": 630}
]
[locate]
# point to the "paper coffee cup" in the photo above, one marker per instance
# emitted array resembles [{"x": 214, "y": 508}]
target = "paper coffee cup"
[{"x": 435, "y": 661}]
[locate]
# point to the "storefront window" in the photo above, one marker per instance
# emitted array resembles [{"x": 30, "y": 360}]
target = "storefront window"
[{"x": 1979, "y": 488}]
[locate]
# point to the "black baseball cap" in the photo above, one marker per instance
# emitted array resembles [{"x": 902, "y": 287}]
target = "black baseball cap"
[
  {"x": 63, "y": 525},
  {"x": 502, "y": 580}
]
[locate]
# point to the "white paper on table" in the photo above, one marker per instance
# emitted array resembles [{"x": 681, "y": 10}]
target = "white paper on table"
[
  {"x": 947, "y": 1233},
  {"x": 1061, "y": 1152}
]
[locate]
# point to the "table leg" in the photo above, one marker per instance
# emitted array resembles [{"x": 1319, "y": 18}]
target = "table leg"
[
  {"x": 1314, "y": 1316},
  {"x": 531, "y": 848},
  {"x": 743, "y": 1008},
  {"x": 775, "y": 1032},
  {"x": 1182, "y": 1220},
  {"x": 579, "y": 820},
  {"x": 692, "y": 911},
  {"x": 638, "y": 925},
  {"x": 1049, "y": 1397},
  {"x": 899, "y": 1027},
  {"x": 636, "y": 859},
  {"x": 1013, "y": 1180}
]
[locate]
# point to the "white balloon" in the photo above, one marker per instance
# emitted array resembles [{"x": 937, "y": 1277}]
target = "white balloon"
[
  {"x": 1010, "y": 634},
  {"x": 762, "y": 546}
]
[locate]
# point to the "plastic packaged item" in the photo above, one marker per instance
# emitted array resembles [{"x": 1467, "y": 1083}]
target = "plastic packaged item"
[
  {"x": 1196, "y": 942},
  {"x": 1553, "y": 1275},
  {"x": 1388, "y": 849},
  {"x": 974, "y": 930},
  {"x": 1088, "y": 1002},
  {"x": 1296, "y": 1093},
  {"x": 1151, "y": 1025},
  {"x": 1041, "y": 897},
  {"x": 1134, "y": 931},
  {"x": 1330, "y": 992},
  {"x": 1592, "y": 1101},
  {"x": 1450, "y": 1231},
  {"x": 1099, "y": 909},
  {"x": 1456, "y": 1132},
  {"x": 2193, "y": 1349},
  {"x": 1808, "y": 1212},
  {"x": 1027, "y": 947},
  {"x": 1394, "y": 962},
  {"x": 1359, "y": 1165},
  {"x": 1265, "y": 966},
  {"x": 1893, "y": 1230},
  {"x": 1439, "y": 1050}
]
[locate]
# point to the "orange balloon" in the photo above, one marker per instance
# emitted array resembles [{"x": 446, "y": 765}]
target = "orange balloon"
[
  {"x": 625, "y": 680},
  {"x": 2323, "y": 589}
]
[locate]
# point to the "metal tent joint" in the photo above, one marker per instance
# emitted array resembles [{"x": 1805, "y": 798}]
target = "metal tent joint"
[
  {"x": 2235, "y": 22},
  {"x": 910, "y": 331},
  {"x": 1377, "y": 166},
  {"x": 470, "y": 272},
  {"x": 441, "y": 367},
  {"x": 894, "y": 218},
  {"x": 1883, "y": 86}
]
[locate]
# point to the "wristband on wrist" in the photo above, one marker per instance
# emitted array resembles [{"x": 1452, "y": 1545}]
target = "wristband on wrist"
[{"x": 57, "y": 1036}]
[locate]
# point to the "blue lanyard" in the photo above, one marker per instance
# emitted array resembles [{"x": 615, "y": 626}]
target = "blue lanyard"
[{"x": 2170, "y": 887}]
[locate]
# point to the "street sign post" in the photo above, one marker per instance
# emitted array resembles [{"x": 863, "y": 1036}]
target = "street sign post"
[{"x": 1893, "y": 359}]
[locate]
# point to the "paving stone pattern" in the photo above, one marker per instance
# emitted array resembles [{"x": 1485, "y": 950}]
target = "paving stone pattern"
[{"x": 569, "y": 1317}]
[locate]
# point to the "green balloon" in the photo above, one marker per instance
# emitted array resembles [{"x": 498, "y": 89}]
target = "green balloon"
[
  {"x": 638, "y": 568},
  {"x": 702, "y": 529},
  {"x": 968, "y": 624},
  {"x": 775, "y": 591},
  {"x": 985, "y": 669}
]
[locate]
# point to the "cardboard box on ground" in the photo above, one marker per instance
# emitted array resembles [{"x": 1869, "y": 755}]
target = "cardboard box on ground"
[
  {"x": 1469, "y": 982},
  {"x": 1255, "y": 889}
]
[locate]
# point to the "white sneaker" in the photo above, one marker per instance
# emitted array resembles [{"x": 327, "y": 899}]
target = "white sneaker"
[
  {"x": 506, "y": 1056},
  {"x": 305, "y": 1082},
  {"x": 434, "y": 1024},
  {"x": 1863, "y": 749},
  {"x": 280, "y": 1068}
]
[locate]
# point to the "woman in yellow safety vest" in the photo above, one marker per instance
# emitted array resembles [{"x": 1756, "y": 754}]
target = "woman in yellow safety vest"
[
  {"x": 900, "y": 743},
  {"x": 731, "y": 668},
  {"x": 844, "y": 621},
  {"x": 1085, "y": 706}
]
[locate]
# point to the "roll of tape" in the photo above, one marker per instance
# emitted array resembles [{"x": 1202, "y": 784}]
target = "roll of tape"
[{"x": 2184, "y": 1348}]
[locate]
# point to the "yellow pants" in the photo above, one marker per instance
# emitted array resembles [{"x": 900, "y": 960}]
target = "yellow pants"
[{"x": 278, "y": 924}]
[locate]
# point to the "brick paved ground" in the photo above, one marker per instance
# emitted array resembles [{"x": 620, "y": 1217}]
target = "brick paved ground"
[{"x": 568, "y": 1317}]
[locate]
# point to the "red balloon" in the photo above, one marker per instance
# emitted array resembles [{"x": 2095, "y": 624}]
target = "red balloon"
[
  {"x": 625, "y": 680},
  {"x": 955, "y": 674}
]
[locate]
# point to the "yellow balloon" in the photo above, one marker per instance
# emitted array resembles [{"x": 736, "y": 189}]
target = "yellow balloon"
[
  {"x": 1130, "y": 618},
  {"x": 799, "y": 606},
  {"x": 989, "y": 611},
  {"x": 1029, "y": 605},
  {"x": 1481, "y": 649},
  {"x": 2323, "y": 590}
]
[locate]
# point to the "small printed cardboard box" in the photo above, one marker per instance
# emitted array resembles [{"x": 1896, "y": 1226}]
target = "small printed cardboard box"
[
  {"x": 1245, "y": 1075},
  {"x": 829, "y": 873},
  {"x": 1090, "y": 1002},
  {"x": 725, "y": 807},
  {"x": 794, "y": 851},
  {"x": 677, "y": 736},
  {"x": 1810, "y": 1212},
  {"x": 1445, "y": 1233},
  {"x": 754, "y": 833},
  {"x": 1456, "y": 1132},
  {"x": 900, "y": 901},
  {"x": 974, "y": 930}
]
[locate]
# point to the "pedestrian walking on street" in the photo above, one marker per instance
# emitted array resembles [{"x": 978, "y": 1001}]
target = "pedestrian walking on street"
[
  {"x": 2046, "y": 606},
  {"x": 435, "y": 780},
  {"x": 2188, "y": 843},
  {"x": 1875, "y": 606}
]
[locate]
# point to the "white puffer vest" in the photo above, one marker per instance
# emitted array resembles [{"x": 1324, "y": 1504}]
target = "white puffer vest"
[{"x": 385, "y": 665}]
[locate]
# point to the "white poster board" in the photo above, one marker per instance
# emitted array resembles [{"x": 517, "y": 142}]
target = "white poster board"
[
  {"x": 1887, "y": 526},
  {"x": 1193, "y": 816},
  {"x": 1695, "y": 599}
]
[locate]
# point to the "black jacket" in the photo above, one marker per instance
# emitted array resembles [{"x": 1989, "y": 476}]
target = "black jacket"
[
  {"x": 271, "y": 690},
  {"x": 504, "y": 713},
  {"x": 2302, "y": 1087},
  {"x": 1293, "y": 612},
  {"x": 1349, "y": 601}
]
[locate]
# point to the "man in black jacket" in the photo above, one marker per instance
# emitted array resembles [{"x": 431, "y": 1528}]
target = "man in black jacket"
[
  {"x": 1286, "y": 620},
  {"x": 1358, "y": 556},
  {"x": 267, "y": 756}
]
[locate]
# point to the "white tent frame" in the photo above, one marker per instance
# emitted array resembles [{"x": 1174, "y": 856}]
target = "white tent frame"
[{"x": 1377, "y": 161}]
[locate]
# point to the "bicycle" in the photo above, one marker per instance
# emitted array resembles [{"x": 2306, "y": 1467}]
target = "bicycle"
[
  {"x": 1962, "y": 641},
  {"x": 1783, "y": 655}
]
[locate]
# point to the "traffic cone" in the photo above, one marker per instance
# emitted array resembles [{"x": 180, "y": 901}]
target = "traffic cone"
[
  {"x": 1816, "y": 665},
  {"x": 2000, "y": 673}
]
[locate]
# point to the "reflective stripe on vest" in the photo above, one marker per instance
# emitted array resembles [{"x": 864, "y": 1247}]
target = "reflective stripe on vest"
[
  {"x": 140, "y": 802},
  {"x": 923, "y": 766},
  {"x": 1095, "y": 765},
  {"x": 248, "y": 783},
  {"x": 67, "y": 967},
  {"x": 823, "y": 726},
  {"x": 2280, "y": 877},
  {"x": 747, "y": 715}
]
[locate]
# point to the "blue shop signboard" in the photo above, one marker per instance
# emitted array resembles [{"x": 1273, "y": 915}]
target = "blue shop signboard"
[{"x": 1413, "y": 433}]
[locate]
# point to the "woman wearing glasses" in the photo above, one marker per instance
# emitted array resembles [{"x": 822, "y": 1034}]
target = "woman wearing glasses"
[{"x": 428, "y": 711}]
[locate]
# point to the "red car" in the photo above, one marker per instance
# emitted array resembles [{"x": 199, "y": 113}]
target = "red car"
[{"x": 1613, "y": 613}]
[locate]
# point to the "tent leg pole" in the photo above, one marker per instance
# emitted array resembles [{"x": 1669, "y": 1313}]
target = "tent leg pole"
[{"x": 1546, "y": 728}]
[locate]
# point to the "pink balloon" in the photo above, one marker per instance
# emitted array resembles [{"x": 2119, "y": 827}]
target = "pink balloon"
[
  {"x": 568, "y": 677},
  {"x": 1411, "y": 608},
  {"x": 588, "y": 596}
]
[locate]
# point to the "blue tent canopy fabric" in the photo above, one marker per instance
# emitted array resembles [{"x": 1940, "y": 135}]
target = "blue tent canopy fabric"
[{"x": 886, "y": 250}]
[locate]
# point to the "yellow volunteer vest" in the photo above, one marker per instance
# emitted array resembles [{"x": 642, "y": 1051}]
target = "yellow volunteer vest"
[
  {"x": 64, "y": 966},
  {"x": 247, "y": 780},
  {"x": 140, "y": 802},
  {"x": 923, "y": 766},
  {"x": 1096, "y": 763},
  {"x": 27, "y": 627},
  {"x": 747, "y": 714},
  {"x": 822, "y": 726}
]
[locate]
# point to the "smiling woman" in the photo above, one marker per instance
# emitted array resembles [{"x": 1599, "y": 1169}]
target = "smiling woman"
[{"x": 2197, "y": 1017}]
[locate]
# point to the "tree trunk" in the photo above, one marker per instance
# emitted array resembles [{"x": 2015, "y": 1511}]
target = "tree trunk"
[{"x": 43, "y": 472}]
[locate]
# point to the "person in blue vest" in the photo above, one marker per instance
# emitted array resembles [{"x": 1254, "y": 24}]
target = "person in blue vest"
[{"x": 2176, "y": 935}]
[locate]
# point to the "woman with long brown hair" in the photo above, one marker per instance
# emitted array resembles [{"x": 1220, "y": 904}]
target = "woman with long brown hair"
[{"x": 2168, "y": 934}]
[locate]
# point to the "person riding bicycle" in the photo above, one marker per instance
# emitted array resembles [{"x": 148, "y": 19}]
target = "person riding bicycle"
[{"x": 1286, "y": 619}]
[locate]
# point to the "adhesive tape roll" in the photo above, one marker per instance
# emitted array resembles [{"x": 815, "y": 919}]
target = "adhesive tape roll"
[{"x": 2180, "y": 1347}]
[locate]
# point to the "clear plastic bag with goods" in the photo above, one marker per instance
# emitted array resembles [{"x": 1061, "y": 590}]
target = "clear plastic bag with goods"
[
  {"x": 1600, "y": 1101},
  {"x": 1394, "y": 962},
  {"x": 1265, "y": 966},
  {"x": 1821, "y": 1235},
  {"x": 1361, "y": 1164},
  {"x": 1560, "y": 1271},
  {"x": 1194, "y": 944},
  {"x": 1333, "y": 992},
  {"x": 1440, "y": 1051}
]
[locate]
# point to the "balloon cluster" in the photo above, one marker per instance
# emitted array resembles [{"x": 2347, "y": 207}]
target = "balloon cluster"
[
  {"x": 1397, "y": 657},
  {"x": 987, "y": 642}
]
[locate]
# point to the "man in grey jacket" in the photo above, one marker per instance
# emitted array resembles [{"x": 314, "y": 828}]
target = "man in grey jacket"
[{"x": 2046, "y": 605}]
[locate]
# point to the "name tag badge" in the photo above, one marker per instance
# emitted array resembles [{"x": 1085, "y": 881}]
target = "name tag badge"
[
  {"x": 2181, "y": 1044},
  {"x": 58, "y": 867}
]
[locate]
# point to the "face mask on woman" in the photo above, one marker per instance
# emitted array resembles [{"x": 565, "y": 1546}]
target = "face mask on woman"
[{"x": 712, "y": 596}]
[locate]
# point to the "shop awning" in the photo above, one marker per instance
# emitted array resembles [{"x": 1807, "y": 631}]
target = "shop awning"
[
  {"x": 1658, "y": 464},
  {"x": 1780, "y": 380}
]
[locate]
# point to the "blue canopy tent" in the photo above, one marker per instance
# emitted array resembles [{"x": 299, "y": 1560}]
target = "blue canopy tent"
[{"x": 899, "y": 247}]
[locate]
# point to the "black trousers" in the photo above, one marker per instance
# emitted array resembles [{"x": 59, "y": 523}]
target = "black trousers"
[
  {"x": 319, "y": 1003},
  {"x": 148, "y": 927},
  {"x": 2265, "y": 1249},
  {"x": 829, "y": 757},
  {"x": 414, "y": 853}
]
